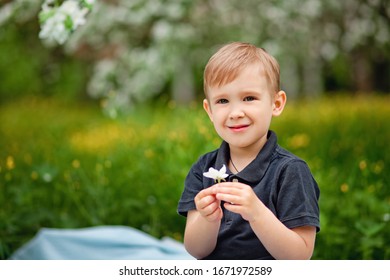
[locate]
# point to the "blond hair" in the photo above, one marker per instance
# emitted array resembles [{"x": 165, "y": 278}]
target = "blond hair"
[{"x": 225, "y": 65}]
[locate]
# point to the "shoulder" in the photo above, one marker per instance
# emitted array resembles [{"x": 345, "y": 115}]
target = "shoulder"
[
  {"x": 293, "y": 171},
  {"x": 285, "y": 154},
  {"x": 285, "y": 159},
  {"x": 280, "y": 156},
  {"x": 205, "y": 161}
]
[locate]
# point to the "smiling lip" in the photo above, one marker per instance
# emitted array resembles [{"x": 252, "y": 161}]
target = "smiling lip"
[{"x": 238, "y": 128}]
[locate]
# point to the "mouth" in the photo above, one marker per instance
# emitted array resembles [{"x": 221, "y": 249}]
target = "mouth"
[{"x": 238, "y": 128}]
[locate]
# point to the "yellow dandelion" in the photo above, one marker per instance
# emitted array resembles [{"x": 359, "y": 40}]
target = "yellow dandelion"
[
  {"x": 344, "y": 188},
  {"x": 76, "y": 163},
  {"x": 34, "y": 175},
  {"x": 362, "y": 165},
  {"x": 299, "y": 141},
  {"x": 149, "y": 153},
  {"x": 378, "y": 167},
  {"x": 10, "y": 163}
]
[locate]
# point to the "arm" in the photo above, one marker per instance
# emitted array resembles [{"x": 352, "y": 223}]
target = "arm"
[
  {"x": 201, "y": 232},
  {"x": 280, "y": 241}
]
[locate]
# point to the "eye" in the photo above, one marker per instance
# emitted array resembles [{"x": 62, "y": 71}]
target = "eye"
[
  {"x": 222, "y": 101},
  {"x": 249, "y": 98}
]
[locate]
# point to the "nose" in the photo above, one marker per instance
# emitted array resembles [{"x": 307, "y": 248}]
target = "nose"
[{"x": 236, "y": 112}]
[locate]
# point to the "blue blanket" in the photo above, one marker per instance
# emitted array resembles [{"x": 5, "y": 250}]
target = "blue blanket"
[{"x": 99, "y": 243}]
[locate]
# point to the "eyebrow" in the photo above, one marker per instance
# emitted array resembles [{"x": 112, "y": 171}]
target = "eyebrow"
[
  {"x": 219, "y": 96},
  {"x": 251, "y": 92},
  {"x": 246, "y": 92}
]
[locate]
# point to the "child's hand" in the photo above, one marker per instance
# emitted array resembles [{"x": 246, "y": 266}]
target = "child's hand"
[
  {"x": 240, "y": 199},
  {"x": 208, "y": 205}
]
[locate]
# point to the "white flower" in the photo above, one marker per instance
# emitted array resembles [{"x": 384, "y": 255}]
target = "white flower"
[
  {"x": 217, "y": 175},
  {"x": 72, "y": 9},
  {"x": 47, "y": 177},
  {"x": 54, "y": 29},
  {"x": 58, "y": 22}
]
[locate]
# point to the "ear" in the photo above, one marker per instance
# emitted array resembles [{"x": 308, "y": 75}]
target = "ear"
[
  {"x": 207, "y": 108},
  {"x": 278, "y": 103}
]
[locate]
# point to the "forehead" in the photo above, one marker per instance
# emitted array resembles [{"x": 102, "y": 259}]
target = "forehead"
[
  {"x": 252, "y": 76},
  {"x": 224, "y": 69}
]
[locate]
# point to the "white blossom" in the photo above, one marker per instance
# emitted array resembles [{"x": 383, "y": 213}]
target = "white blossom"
[
  {"x": 72, "y": 9},
  {"x": 54, "y": 29},
  {"x": 57, "y": 23},
  {"x": 217, "y": 175}
]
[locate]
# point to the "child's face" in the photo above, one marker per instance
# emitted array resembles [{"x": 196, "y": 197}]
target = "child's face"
[{"x": 241, "y": 111}]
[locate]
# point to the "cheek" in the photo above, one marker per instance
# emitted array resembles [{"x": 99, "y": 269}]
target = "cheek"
[{"x": 220, "y": 116}]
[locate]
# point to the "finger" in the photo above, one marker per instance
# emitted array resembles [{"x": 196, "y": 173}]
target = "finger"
[
  {"x": 204, "y": 202},
  {"x": 232, "y": 207},
  {"x": 229, "y": 190},
  {"x": 235, "y": 185},
  {"x": 202, "y": 194},
  {"x": 232, "y": 199},
  {"x": 209, "y": 191},
  {"x": 209, "y": 210},
  {"x": 216, "y": 215}
]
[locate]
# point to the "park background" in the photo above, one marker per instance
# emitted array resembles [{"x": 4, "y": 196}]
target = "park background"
[{"x": 103, "y": 128}]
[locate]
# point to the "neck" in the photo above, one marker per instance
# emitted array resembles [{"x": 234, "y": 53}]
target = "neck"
[
  {"x": 242, "y": 157},
  {"x": 237, "y": 164}
]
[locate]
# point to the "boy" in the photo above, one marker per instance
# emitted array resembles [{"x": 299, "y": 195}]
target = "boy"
[{"x": 267, "y": 208}]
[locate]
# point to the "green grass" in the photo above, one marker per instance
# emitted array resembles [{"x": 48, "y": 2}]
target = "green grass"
[{"x": 65, "y": 165}]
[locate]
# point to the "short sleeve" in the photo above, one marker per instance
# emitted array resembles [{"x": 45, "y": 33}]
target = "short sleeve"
[
  {"x": 192, "y": 186},
  {"x": 297, "y": 199}
]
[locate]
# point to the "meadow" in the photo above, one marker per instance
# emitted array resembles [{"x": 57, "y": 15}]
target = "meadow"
[{"x": 65, "y": 165}]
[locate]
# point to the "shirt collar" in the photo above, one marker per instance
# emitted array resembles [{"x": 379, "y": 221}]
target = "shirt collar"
[{"x": 256, "y": 169}]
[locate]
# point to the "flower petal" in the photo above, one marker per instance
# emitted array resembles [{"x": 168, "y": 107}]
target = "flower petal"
[
  {"x": 224, "y": 175},
  {"x": 212, "y": 173},
  {"x": 223, "y": 170},
  {"x": 215, "y": 174}
]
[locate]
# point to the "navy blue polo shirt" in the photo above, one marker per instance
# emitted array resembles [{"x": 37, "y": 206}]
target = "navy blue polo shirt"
[{"x": 281, "y": 180}]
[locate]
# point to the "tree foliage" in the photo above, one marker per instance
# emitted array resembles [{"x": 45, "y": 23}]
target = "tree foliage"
[{"x": 140, "y": 47}]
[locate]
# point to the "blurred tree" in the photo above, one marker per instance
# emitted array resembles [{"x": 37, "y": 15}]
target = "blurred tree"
[
  {"x": 139, "y": 48},
  {"x": 26, "y": 66},
  {"x": 358, "y": 33}
]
